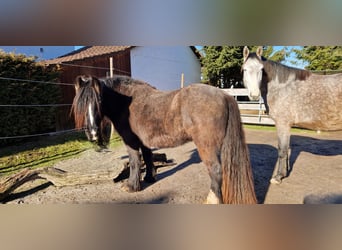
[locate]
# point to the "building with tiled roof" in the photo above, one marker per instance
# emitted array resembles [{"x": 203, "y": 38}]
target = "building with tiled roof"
[{"x": 87, "y": 52}]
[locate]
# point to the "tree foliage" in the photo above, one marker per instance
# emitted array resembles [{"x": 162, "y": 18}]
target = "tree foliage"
[
  {"x": 321, "y": 57},
  {"x": 222, "y": 64},
  {"x": 14, "y": 120}
]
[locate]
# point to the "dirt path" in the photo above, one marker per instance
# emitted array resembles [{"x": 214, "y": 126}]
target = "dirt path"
[{"x": 316, "y": 175}]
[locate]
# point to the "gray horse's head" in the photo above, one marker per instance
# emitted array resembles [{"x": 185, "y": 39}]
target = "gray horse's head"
[{"x": 252, "y": 72}]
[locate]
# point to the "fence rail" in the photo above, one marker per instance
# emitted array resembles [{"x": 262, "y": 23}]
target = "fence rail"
[{"x": 251, "y": 112}]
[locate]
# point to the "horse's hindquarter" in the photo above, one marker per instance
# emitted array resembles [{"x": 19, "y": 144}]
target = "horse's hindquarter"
[
  {"x": 314, "y": 104},
  {"x": 204, "y": 112}
]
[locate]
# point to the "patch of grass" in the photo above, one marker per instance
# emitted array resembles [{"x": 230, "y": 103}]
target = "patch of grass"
[
  {"x": 46, "y": 152},
  {"x": 273, "y": 128},
  {"x": 259, "y": 127}
]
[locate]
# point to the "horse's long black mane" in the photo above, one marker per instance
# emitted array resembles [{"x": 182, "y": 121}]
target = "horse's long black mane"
[
  {"x": 282, "y": 72},
  {"x": 79, "y": 107}
]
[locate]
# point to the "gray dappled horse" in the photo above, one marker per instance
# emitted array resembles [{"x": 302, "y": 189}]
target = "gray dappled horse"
[
  {"x": 293, "y": 97},
  {"x": 145, "y": 117}
]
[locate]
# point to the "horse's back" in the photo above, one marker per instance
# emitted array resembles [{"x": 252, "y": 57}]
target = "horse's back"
[
  {"x": 327, "y": 101},
  {"x": 314, "y": 104}
]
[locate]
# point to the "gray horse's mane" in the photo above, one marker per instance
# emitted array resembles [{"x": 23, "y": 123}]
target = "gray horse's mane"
[
  {"x": 280, "y": 71},
  {"x": 283, "y": 72}
]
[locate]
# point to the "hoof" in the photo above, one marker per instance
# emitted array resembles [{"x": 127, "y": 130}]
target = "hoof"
[
  {"x": 212, "y": 198},
  {"x": 128, "y": 188},
  {"x": 276, "y": 180},
  {"x": 149, "y": 179}
]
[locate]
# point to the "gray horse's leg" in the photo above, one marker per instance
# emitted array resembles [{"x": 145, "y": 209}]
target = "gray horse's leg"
[
  {"x": 133, "y": 183},
  {"x": 283, "y": 153},
  {"x": 150, "y": 176}
]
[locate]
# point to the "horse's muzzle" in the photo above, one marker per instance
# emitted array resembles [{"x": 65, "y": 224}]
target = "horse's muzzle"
[
  {"x": 254, "y": 98},
  {"x": 91, "y": 135},
  {"x": 93, "y": 138}
]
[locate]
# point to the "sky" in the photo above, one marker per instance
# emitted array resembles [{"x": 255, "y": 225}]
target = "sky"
[
  {"x": 41, "y": 52},
  {"x": 288, "y": 61}
]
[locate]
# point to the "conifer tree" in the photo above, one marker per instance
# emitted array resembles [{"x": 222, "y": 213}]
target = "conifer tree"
[{"x": 321, "y": 57}]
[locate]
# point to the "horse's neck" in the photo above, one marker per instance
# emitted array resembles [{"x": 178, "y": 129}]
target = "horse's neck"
[
  {"x": 133, "y": 89},
  {"x": 278, "y": 73},
  {"x": 113, "y": 100},
  {"x": 279, "y": 80}
]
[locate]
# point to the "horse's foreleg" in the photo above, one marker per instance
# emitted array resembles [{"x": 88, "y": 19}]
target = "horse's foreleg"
[
  {"x": 133, "y": 183},
  {"x": 283, "y": 153},
  {"x": 150, "y": 176}
]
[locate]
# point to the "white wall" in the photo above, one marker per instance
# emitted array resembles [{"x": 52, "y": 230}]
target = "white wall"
[{"x": 162, "y": 66}]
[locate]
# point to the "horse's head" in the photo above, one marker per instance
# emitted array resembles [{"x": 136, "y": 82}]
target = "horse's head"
[
  {"x": 87, "y": 105},
  {"x": 252, "y": 72}
]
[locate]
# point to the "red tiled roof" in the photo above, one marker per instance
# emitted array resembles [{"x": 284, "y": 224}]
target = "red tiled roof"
[{"x": 87, "y": 52}]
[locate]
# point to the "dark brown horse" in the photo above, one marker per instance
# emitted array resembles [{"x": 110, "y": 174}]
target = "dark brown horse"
[
  {"x": 145, "y": 117},
  {"x": 293, "y": 97}
]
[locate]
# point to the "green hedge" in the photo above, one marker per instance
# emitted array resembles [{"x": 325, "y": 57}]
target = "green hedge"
[{"x": 16, "y": 121}]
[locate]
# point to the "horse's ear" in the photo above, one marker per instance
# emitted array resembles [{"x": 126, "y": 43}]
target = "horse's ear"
[
  {"x": 81, "y": 81},
  {"x": 245, "y": 53},
  {"x": 259, "y": 51}
]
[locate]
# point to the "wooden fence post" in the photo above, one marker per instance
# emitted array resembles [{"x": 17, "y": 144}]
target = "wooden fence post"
[
  {"x": 182, "y": 80},
  {"x": 111, "y": 74}
]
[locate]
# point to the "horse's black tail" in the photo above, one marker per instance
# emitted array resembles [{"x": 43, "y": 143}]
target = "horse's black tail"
[{"x": 237, "y": 182}]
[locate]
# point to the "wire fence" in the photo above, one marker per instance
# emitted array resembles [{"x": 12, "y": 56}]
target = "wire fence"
[
  {"x": 93, "y": 67},
  {"x": 11, "y": 79},
  {"x": 41, "y": 134},
  {"x": 34, "y": 105},
  {"x": 33, "y": 81}
]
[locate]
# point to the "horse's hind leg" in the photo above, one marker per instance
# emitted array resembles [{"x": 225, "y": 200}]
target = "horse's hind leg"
[
  {"x": 133, "y": 183},
  {"x": 150, "y": 176},
  {"x": 215, "y": 194},
  {"x": 283, "y": 153},
  {"x": 211, "y": 160}
]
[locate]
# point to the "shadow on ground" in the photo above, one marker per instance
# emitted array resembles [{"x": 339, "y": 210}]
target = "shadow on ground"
[
  {"x": 311, "y": 145},
  {"x": 263, "y": 159},
  {"x": 325, "y": 199}
]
